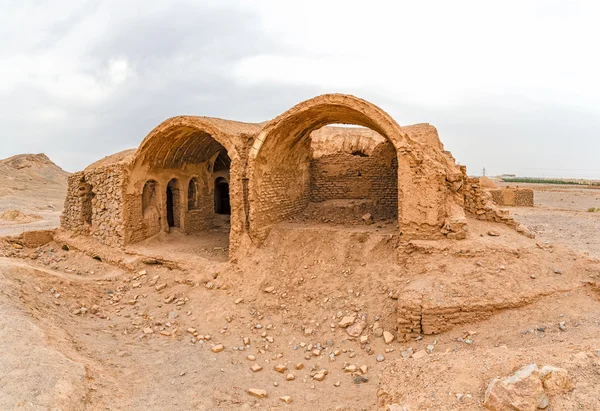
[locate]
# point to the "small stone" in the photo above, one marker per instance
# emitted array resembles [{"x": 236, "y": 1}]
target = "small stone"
[
  {"x": 367, "y": 218},
  {"x": 94, "y": 309},
  {"x": 148, "y": 330},
  {"x": 269, "y": 289},
  {"x": 290, "y": 377},
  {"x": 493, "y": 233},
  {"x": 364, "y": 339},
  {"x": 419, "y": 354},
  {"x": 217, "y": 348},
  {"x": 562, "y": 326},
  {"x": 347, "y": 321},
  {"x": 316, "y": 352},
  {"x": 363, "y": 369},
  {"x": 388, "y": 337},
  {"x": 256, "y": 368},
  {"x": 161, "y": 287},
  {"x": 380, "y": 358},
  {"x": 299, "y": 366},
  {"x": 191, "y": 330},
  {"x": 286, "y": 398},
  {"x": 281, "y": 368},
  {"x": 356, "y": 329},
  {"x": 270, "y": 339},
  {"x": 319, "y": 376},
  {"x": 337, "y": 384},
  {"x": 258, "y": 393},
  {"x": 239, "y": 300},
  {"x": 430, "y": 348},
  {"x": 165, "y": 333},
  {"x": 556, "y": 380},
  {"x": 350, "y": 368},
  {"x": 360, "y": 379},
  {"x": 251, "y": 357},
  {"x": 246, "y": 341}
]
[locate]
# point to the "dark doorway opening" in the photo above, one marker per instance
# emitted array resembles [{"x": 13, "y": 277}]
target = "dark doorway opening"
[
  {"x": 222, "y": 205},
  {"x": 170, "y": 217},
  {"x": 173, "y": 203}
]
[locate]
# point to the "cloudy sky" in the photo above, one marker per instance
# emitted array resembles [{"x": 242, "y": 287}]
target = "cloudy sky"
[{"x": 512, "y": 86}]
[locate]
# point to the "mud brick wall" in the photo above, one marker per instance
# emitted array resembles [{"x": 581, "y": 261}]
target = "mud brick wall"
[
  {"x": 283, "y": 192},
  {"x": 479, "y": 203},
  {"x": 142, "y": 224},
  {"x": 517, "y": 197},
  {"x": 94, "y": 204},
  {"x": 348, "y": 176}
]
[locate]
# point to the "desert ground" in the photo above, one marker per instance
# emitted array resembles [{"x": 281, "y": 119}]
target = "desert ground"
[{"x": 169, "y": 324}]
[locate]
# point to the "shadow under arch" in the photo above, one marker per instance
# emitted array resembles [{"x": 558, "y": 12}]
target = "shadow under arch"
[
  {"x": 183, "y": 140},
  {"x": 278, "y": 175}
]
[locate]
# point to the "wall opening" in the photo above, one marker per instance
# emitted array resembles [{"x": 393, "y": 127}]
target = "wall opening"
[
  {"x": 294, "y": 179},
  {"x": 173, "y": 206},
  {"x": 193, "y": 194},
  {"x": 222, "y": 204},
  {"x": 148, "y": 196},
  {"x": 86, "y": 194}
]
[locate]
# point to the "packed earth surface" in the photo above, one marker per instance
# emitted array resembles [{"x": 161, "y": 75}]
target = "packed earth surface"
[{"x": 315, "y": 319}]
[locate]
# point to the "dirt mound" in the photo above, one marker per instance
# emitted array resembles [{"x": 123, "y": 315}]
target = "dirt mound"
[
  {"x": 486, "y": 182},
  {"x": 31, "y": 186},
  {"x": 17, "y": 216}
]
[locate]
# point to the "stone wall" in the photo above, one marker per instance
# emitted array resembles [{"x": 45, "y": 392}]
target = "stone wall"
[
  {"x": 516, "y": 197},
  {"x": 94, "y": 204},
  {"x": 358, "y": 176}
]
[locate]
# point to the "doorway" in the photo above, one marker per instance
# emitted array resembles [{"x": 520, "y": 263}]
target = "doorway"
[
  {"x": 173, "y": 203},
  {"x": 222, "y": 205}
]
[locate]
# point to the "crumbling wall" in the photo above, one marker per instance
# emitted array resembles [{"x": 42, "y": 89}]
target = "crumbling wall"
[
  {"x": 358, "y": 175},
  {"x": 478, "y": 202},
  {"x": 94, "y": 204},
  {"x": 516, "y": 197}
]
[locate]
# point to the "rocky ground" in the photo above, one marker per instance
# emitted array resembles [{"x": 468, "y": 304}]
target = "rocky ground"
[{"x": 307, "y": 322}]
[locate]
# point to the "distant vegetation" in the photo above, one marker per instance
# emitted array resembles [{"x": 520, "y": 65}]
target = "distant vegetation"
[
  {"x": 593, "y": 210},
  {"x": 549, "y": 181}
]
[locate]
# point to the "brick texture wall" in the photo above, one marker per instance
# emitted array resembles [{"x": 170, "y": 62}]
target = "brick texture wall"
[{"x": 348, "y": 176}]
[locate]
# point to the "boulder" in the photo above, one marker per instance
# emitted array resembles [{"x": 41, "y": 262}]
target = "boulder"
[{"x": 522, "y": 391}]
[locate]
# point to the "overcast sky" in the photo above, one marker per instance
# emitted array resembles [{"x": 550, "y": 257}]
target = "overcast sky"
[{"x": 512, "y": 86}]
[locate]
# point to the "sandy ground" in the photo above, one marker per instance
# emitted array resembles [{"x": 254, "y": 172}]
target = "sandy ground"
[
  {"x": 561, "y": 216},
  {"x": 82, "y": 334}
]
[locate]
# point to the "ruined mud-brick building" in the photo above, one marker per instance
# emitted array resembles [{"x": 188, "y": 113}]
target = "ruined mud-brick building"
[
  {"x": 194, "y": 174},
  {"x": 513, "y": 196}
]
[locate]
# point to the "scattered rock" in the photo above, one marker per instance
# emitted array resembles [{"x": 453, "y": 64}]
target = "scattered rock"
[
  {"x": 493, "y": 233},
  {"x": 380, "y": 358},
  {"x": 239, "y": 300},
  {"x": 367, "y": 218},
  {"x": 217, "y": 348},
  {"x": 281, "y": 368},
  {"x": 320, "y": 376},
  {"x": 286, "y": 398},
  {"x": 290, "y": 377},
  {"x": 347, "y": 321},
  {"x": 148, "y": 330},
  {"x": 258, "y": 393},
  {"x": 388, "y": 337},
  {"x": 556, "y": 380},
  {"x": 360, "y": 379},
  {"x": 521, "y": 391},
  {"x": 256, "y": 368},
  {"x": 161, "y": 287},
  {"x": 356, "y": 329},
  {"x": 419, "y": 354}
]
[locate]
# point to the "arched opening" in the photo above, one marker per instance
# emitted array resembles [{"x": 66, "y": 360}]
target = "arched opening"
[
  {"x": 287, "y": 175},
  {"x": 353, "y": 178},
  {"x": 173, "y": 204},
  {"x": 148, "y": 196},
  {"x": 222, "y": 205},
  {"x": 193, "y": 194},
  {"x": 86, "y": 194}
]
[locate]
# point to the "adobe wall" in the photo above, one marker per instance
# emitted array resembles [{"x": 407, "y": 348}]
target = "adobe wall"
[
  {"x": 143, "y": 223},
  {"x": 94, "y": 204},
  {"x": 516, "y": 197},
  {"x": 344, "y": 175}
]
